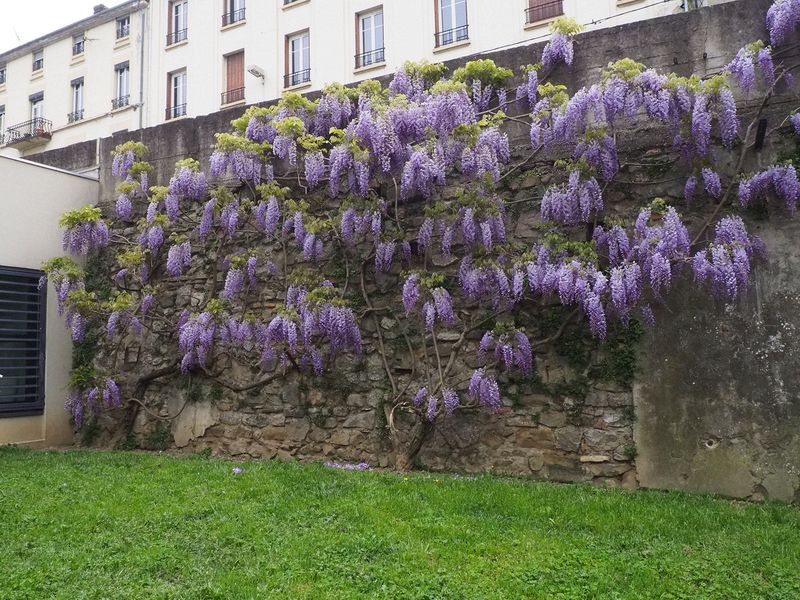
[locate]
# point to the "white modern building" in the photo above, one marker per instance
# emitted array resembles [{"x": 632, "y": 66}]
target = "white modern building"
[
  {"x": 145, "y": 62},
  {"x": 35, "y": 346}
]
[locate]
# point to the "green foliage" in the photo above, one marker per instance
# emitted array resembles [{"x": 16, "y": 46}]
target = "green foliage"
[
  {"x": 90, "y": 432},
  {"x": 483, "y": 70},
  {"x": 557, "y": 94},
  {"x": 621, "y": 362},
  {"x": 63, "y": 266},
  {"x": 188, "y": 529},
  {"x": 566, "y": 25},
  {"x": 631, "y": 452},
  {"x": 79, "y": 216},
  {"x": 138, "y": 148},
  {"x": 159, "y": 439},
  {"x": 429, "y": 72},
  {"x": 625, "y": 69}
]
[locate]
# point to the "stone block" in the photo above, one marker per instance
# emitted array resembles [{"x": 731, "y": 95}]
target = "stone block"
[
  {"x": 540, "y": 437},
  {"x": 569, "y": 438},
  {"x": 364, "y": 420}
]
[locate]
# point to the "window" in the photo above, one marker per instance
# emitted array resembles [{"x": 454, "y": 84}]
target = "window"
[
  {"x": 38, "y": 60},
  {"x": 369, "y": 39},
  {"x": 298, "y": 59},
  {"x": 543, "y": 10},
  {"x": 234, "y": 78},
  {"x": 178, "y": 21},
  {"x": 2, "y": 74},
  {"x": 123, "y": 26},
  {"x": 176, "y": 95},
  {"x": 2, "y": 122},
  {"x": 78, "y": 44},
  {"x": 77, "y": 100},
  {"x": 451, "y": 22},
  {"x": 234, "y": 12},
  {"x": 37, "y": 107},
  {"x": 22, "y": 331},
  {"x": 122, "y": 73}
]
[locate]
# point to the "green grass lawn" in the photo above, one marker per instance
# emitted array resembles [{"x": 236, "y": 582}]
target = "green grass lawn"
[{"x": 115, "y": 525}]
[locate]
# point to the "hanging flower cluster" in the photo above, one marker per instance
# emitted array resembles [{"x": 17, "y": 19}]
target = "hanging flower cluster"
[
  {"x": 101, "y": 395},
  {"x": 433, "y": 405},
  {"x": 84, "y": 230},
  {"x": 780, "y": 180},
  {"x": 510, "y": 347},
  {"x": 750, "y": 59}
]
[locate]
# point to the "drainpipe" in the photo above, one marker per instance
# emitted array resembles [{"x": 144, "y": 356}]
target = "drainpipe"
[{"x": 141, "y": 65}]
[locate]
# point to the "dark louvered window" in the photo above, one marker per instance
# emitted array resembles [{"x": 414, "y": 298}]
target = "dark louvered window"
[{"x": 22, "y": 327}]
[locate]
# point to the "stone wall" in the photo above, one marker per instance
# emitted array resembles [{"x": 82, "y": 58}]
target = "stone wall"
[{"x": 715, "y": 405}]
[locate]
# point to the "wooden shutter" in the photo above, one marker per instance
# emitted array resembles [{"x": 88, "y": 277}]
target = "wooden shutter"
[{"x": 235, "y": 71}]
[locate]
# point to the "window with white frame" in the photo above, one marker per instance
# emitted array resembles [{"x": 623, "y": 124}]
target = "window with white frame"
[
  {"x": 298, "y": 48},
  {"x": 369, "y": 42},
  {"x": 452, "y": 20},
  {"x": 176, "y": 106},
  {"x": 37, "y": 106},
  {"x": 77, "y": 100},
  {"x": 178, "y": 21},
  {"x": 122, "y": 73},
  {"x": 234, "y": 12},
  {"x": 78, "y": 44},
  {"x": 38, "y": 60},
  {"x": 2, "y": 122},
  {"x": 123, "y": 26}
]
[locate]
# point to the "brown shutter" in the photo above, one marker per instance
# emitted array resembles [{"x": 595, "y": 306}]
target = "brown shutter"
[
  {"x": 235, "y": 71},
  {"x": 169, "y": 17}
]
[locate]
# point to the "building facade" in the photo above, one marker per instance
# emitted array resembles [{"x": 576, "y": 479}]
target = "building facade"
[
  {"x": 35, "y": 347},
  {"x": 149, "y": 61}
]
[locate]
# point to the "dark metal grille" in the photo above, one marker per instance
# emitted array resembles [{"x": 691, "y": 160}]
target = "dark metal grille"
[
  {"x": 123, "y": 30},
  {"x": 75, "y": 116},
  {"x": 233, "y": 17},
  {"x": 174, "y": 112},
  {"x": 543, "y": 10},
  {"x": 235, "y": 95},
  {"x": 177, "y": 36},
  {"x": 38, "y": 65},
  {"x": 120, "y": 102},
  {"x": 37, "y": 127},
  {"x": 292, "y": 79},
  {"x": 370, "y": 58},
  {"x": 22, "y": 342},
  {"x": 451, "y": 36}
]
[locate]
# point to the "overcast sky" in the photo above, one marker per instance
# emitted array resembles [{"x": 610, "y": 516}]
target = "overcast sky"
[{"x": 25, "y": 20}]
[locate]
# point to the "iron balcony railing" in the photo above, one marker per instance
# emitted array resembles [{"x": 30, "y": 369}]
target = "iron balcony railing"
[
  {"x": 120, "y": 102},
  {"x": 177, "y": 36},
  {"x": 297, "y": 78},
  {"x": 233, "y": 16},
  {"x": 38, "y": 65},
  {"x": 235, "y": 95},
  {"x": 543, "y": 11},
  {"x": 36, "y": 127},
  {"x": 451, "y": 36},
  {"x": 123, "y": 31},
  {"x": 173, "y": 112},
  {"x": 370, "y": 58},
  {"x": 75, "y": 116}
]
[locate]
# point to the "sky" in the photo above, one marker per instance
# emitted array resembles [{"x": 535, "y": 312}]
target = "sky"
[{"x": 26, "y": 20}]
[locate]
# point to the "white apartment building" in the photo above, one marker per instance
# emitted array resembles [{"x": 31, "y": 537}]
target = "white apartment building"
[
  {"x": 78, "y": 83},
  {"x": 149, "y": 61}
]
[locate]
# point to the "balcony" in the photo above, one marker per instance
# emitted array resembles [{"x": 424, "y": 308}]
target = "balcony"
[
  {"x": 297, "y": 78},
  {"x": 120, "y": 102},
  {"x": 177, "y": 36},
  {"x": 231, "y": 96},
  {"x": 373, "y": 57},
  {"x": 29, "y": 134},
  {"x": 235, "y": 16},
  {"x": 75, "y": 116},
  {"x": 544, "y": 11},
  {"x": 452, "y": 36},
  {"x": 173, "y": 112}
]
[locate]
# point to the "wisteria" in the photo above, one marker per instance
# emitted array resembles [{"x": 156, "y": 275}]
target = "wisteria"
[{"x": 414, "y": 194}]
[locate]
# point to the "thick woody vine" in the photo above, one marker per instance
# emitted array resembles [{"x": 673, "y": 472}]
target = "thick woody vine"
[{"x": 322, "y": 206}]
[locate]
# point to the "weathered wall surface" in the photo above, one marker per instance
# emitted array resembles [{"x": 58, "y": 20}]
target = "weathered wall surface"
[{"x": 715, "y": 407}]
